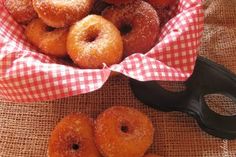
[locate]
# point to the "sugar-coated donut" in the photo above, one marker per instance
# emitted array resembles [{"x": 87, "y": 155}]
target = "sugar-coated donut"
[
  {"x": 93, "y": 41},
  {"x": 161, "y": 3},
  {"x": 151, "y": 155},
  {"x": 73, "y": 137},
  {"x": 123, "y": 132},
  {"x": 138, "y": 23},
  {"x": 21, "y": 10},
  {"x": 57, "y": 13},
  {"x": 49, "y": 40},
  {"x": 118, "y": 2}
]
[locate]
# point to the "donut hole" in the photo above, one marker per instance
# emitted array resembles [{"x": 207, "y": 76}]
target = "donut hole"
[
  {"x": 92, "y": 36},
  {"x": 75, "y": 146},
  {"x": 125, "y": 28},
  {"x": 49, "y": 29},
  {"x": 126, "y": 128}
]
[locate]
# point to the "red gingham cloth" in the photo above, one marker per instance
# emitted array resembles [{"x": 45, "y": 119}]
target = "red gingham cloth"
[{"x": 28, "y": 76}]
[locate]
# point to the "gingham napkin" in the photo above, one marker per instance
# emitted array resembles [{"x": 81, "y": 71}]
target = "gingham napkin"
[{"x": 28, "y": 76}]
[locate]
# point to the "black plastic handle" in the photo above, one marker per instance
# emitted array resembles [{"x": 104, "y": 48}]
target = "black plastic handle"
[{"x": 208, "y": 78}]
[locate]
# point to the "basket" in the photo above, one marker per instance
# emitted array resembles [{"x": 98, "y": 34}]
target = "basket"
[{"x": 29, "y": 76}]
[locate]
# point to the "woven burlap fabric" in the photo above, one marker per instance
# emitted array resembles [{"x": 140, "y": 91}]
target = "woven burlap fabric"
[
  {"x": 219, "y": 40},
  {"x": 25, "y": 128}
]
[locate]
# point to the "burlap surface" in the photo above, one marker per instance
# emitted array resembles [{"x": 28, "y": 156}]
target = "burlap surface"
[{"x": 25, "y": 128}]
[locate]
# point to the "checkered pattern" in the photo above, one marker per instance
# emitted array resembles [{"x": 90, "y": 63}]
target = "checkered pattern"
[{"x": 27, "y": 76}]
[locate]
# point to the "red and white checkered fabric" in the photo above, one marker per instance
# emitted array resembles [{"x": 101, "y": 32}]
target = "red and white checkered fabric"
[{"x": 27, "y": 76}]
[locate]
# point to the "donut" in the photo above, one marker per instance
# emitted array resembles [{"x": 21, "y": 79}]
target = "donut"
[
  {"x": 93, "y": 41},
  {"x": 123, "y": 132},
  {"x": 73, "y": 136},
  {"x": 21, "y": 10},
  {"x": 118, "y": 2},
  {"x": 49, "y": 40},
  {"x": 57, "y": 13},
  {"x": 161, "y": 3},
  {"x": 138, "y": 23},
  {"x": 151, "y": 155}
]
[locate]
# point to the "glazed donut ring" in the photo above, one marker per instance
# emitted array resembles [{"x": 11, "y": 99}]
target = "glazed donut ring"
[
  {"x": 57, "y": 13},
  {"x": 21, "y": 10},
  {"x": 93, "y": 41},
  {"x": 123, "y": 132},
  {"x": 49, "y": 40},
  {"x": 73, "y": 137},
  {"x": 138, "y": 23}
]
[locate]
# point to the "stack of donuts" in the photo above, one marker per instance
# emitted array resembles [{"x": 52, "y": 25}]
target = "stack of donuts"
[
  {"x": 91, "y": 32},
  {"x": 117, "y": 132}
]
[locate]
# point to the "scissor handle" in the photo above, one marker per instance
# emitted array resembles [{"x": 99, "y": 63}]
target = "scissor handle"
[{"x": 191, "y": 101}]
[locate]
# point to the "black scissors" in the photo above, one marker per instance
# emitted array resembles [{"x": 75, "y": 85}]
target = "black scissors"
[{"x": 208, "y": 78}]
